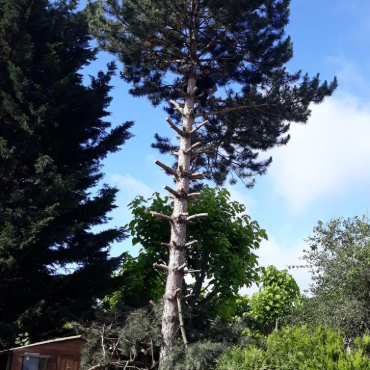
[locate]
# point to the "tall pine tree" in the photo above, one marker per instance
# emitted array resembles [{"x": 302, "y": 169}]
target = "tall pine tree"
[
  {"x": 53, "y": 136},
  {"x": 162, "y": 44}
]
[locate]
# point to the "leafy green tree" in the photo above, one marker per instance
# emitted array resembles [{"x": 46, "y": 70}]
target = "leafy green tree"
[
  {"x": 339, "y": 261},
  {"x": 277, "y": 295},
  {"x": 53, "y": 136},
  {"x": 224, "y": 255},
  {"x": 162, "y": 44}
]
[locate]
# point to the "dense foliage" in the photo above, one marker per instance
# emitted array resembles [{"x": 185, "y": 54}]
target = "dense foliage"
[
  {"x": 224, "y": 253},
  {"x": 300, "y": 348},
  {"x": 163, "y": 43},
  {"x": 53, "y": 136},
  {"x": 339, "y": 260},
  {"x": 277, "y": 295}
]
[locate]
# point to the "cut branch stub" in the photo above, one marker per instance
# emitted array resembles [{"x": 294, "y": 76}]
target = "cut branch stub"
[
  {"x": 168, "y": 245},
  {"x": 189, "y": 244},
  {"x": 192, "y": 271},
  {"x": 183, "y": 93},
  {"x": 180, "y": 268},
  {"x": 172, "y": 191},
  {"x": 198, "y": 215},
  {"x": 174, "y": 153},
  {"x": 160, "y": 266},
  {"x": 197, "y": 176},
  {"x": 188, "y": 151},
  {"x": 173, "y": 126},
  {"x": 199, "y": 126},
  {"x": 194, "y": 196},
  {"x": 160, "y": 215},
  {"x": 169, "y": 170},
  {"x": 177, "y": 106}
]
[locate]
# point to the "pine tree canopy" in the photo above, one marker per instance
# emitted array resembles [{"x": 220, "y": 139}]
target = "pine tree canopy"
[
  {"x": 162, "y": 44},
  {"x": 53, "y": 136}
]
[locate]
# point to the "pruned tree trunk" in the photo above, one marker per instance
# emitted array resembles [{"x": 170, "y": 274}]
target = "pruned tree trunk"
[{"x": 179, "y": 219}]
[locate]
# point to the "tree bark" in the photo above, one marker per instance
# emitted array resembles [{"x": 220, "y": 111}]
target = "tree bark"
[{"x": 177, "y": 248}]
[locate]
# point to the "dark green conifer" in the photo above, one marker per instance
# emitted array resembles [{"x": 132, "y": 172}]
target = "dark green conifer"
[{"x": 53, "y": 136}]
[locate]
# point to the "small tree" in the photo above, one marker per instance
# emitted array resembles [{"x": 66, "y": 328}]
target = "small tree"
[
  {"x": 339, "y": 261},
  {"x": 162, "y": 44},
  {"x": 276, "y": 297}
]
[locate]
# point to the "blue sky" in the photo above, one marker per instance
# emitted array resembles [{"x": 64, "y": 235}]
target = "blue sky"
[{"x": 322, "y": 173}]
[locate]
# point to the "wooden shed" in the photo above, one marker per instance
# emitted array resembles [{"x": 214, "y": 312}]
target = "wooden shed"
[{"x": 55, "y": 354}]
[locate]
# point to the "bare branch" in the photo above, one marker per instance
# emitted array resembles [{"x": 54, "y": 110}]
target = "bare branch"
[
  {"x": 182, "y": 266},
  {"x": 198, "y": 215},
  {"x": 183, "y": 93},
  {"x": 160, "y": 266},
  {"x": 192, "y": 147},
  {"x": 191, "y": 243},
  {"x": 193, "y": 196},
  {"x": 166, "y": 168},
  {"x": 192, "y": 271},
  {"x": 198, "y": 127},
  {"x": 160, "y": 215},
  {"x": 174, "y": 153},
  {"x": 174, "y": 127},
  {"x": 168, "y": 245},
  {"x": 172, "y": 191},
  {"x": 177, "y": 106},
  {"x": 196, "y": 176}
]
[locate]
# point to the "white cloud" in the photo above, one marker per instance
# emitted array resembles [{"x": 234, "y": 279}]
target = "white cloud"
[
  {"x": 330, "y": 157},
  {"x": 131, "y": 186}
]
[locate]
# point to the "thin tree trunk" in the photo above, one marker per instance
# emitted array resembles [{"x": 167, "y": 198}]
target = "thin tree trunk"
[
  {"x": 177, "y": 245},
  {"x": 177, "y": 249}
]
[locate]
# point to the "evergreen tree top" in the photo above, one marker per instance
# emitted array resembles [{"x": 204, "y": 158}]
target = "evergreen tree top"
[{"x": 162, "y": 44}]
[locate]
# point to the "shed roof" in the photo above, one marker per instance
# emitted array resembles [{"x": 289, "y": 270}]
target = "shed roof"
[{"x": 45, "y": 342}]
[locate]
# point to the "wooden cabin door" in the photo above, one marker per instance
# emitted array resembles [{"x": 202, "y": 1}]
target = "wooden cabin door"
[{"x": 68, "y": 362}]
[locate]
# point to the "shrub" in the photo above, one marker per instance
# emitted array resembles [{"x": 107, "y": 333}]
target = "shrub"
[{"x": 299, "y": 349}]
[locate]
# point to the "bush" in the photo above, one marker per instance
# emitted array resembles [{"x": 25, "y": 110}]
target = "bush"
[{"x": 299, "y": 348}]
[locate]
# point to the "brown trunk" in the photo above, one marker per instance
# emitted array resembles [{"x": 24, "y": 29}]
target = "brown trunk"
[{"x": 177, "y": 249}]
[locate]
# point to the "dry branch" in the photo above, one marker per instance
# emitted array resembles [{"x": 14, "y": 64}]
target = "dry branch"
[
  {"x": 172, "y": 191},
  {"x": 166, "y": 168},
  {"x": 174, "y": 127},
  {"x": 191, "y": 243},
  {"x": 177, "y": 106},
  {"x": 198, "y": 143},
  {"x": 182, "y": 266},
  {"x": 199, "y": 126},
  {"x": 160, "y": 266},
  {"x": 160, "y": 215},
  {"x": 196, "y": 176},
  {"x": 198, "y": 215}
]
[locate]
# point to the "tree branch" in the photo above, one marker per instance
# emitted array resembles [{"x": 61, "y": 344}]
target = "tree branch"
[
  {"x": 172, "y": 191},
  {"x": 160, "y": 266},
  {"x": 170, "y": 170},
  {"x": 160, "y": 215},
  {"x": 174, "y": 126},
  {"x": 194, "y": 217},
  {"x": 198, "y": 127},
  {"x": 192, "y": 147},
  {"x": 182, "y": 266}
]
